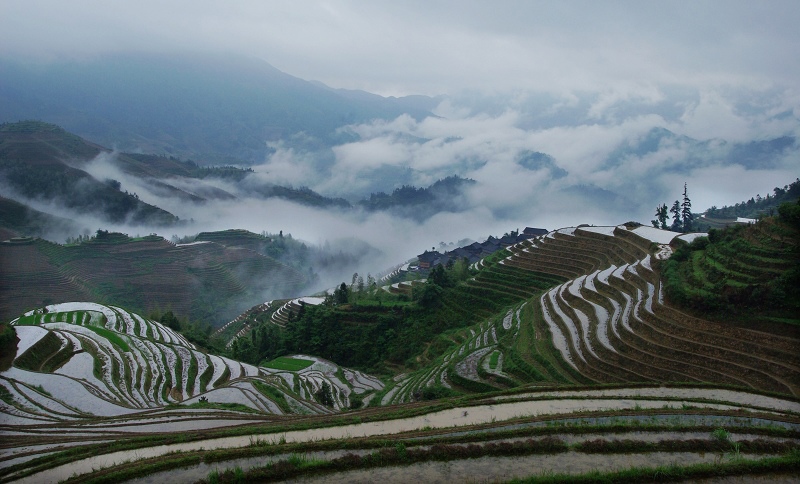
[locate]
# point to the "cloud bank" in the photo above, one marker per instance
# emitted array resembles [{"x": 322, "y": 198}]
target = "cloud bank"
[{"x": 440, "y": 47}]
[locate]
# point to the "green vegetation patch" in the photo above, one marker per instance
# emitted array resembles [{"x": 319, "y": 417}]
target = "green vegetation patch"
[
  {"x": 32, "y": 358},
  {"x": 289, "y": 364},
  {"x": 275, "y": 395},
  {"x": 111, "y": 336},
  {"x": 749, "y": 273},
  {"x": 29, "y": 320},
  {"x": 8, "y": 346},
  {"x": 238, "y": 407},
  {"x": 495, "y": 356},
  {"x": 6, "y": 395}
]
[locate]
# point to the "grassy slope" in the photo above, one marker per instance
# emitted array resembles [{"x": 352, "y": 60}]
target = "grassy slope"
[
  {"x": 746, "y": 273},
  {"x": 146, "y": 274}
]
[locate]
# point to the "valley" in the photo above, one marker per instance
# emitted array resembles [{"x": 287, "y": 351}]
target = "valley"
[
  {"x": 514, "y": 241},
  {"x": 554, "y": 350}
]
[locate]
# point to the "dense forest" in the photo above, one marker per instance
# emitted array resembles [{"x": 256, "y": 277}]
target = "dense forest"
[{"x": 360, "y": 325}]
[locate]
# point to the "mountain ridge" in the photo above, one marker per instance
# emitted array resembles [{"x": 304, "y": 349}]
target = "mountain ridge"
[{"x": 219, "y": 108}]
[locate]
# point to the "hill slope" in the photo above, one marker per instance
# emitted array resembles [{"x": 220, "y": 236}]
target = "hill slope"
[
  {"x": 582, "y": 308},
  {"x": 204, "y": 281},
  {"x": 581, "y": 305},
  {"x": 36, "y": 162},
  {"x": 86, "y": 400},
  {"x": 220, "y": 109},
  {"x": 750, "y": 273}
]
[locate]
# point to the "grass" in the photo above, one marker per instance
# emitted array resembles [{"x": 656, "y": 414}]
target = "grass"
[
  {"x": 41, "y": 389},
  {"x": 6, "y": 395},
  {"x": 111, "y": 336},
  {"x": 205, "y": 378},
  {"x": 192, "y": 375},
  {"x": 399, "y": 454},
  {"x": 495, "y": 356},
  {"x": 33, "y": 358},
  {"x": 273, "y": 394},
  {"x": 30, "y": 320},
  {"x": 789, "y": 462},
  {"x": 288, "y": 364},
  {"x": 238, "y": 407}
]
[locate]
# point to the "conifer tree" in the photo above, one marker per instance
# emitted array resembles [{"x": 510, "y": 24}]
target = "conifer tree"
[
  {"x": 686, "y": 211},
  {"x": 660, "y": 222},
  {"x": 676, "y": 216}
]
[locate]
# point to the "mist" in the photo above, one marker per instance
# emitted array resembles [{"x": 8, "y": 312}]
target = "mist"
[
  {"x": 590, "y": 159},
  {"x": 551, "y": 136}
]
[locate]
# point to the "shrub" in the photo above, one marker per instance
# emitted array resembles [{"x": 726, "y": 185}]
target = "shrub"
[
  {"x": 790, "y": 213},
  {"x": 8, "y": 336},
  {"x": 435, "y": 392},
  {"x": 356, "y": 402}
]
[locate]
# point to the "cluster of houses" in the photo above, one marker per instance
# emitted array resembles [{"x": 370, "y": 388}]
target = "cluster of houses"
[{"x": 475, "y": 251}]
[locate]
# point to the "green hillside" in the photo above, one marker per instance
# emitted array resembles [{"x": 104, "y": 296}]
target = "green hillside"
[
  {"x": 586, "y": 305},
  {"x": 556, "y": 350},
  {"x": 203, "y": 282},
  {"x": 35, "y": 162},
  {"x": 750, "y": 273},
  {"x": 758, "y": 206},
  {"x": 648, "y": 353}
]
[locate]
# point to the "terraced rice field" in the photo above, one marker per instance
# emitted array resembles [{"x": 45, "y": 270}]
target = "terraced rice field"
[
  {"x": 281, "y": 316},
  {"x": 640, "y": 384},
  {"x": 90, "y": 371},
  {"x": 609, "y": 321},
  {"x": 533, "y": 431},
  {"x": 592, "y": 310}
]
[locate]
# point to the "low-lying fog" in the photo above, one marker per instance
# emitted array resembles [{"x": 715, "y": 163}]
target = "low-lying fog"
[{"x": 539, "y": 161}]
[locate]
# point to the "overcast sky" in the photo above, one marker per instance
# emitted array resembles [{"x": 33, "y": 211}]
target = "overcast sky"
[
  {"x": 439, "y": 47},
  {"x": 578, "y": 80}
]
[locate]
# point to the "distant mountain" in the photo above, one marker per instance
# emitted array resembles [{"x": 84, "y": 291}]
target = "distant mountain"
[
  {"x": 214, "y": 108},
  {"x": 45, "y": 170},
  {"x": 421, "y": 203},
  {"x": 37, "y": 162},
  {"x": 691, "y": 153}
]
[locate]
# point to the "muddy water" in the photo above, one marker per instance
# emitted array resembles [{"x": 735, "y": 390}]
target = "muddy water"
[
  {"x": 666, "y": 419},
  {"x": 442, "y": 419},
  {"x": 489, "y": 469},
  {"x": 172, "y": 426},
  {"x": 741, "y": 398}
]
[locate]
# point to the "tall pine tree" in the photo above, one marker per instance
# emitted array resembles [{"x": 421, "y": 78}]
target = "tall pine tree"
[
  {"x": 686, "y": 211},
  {"x": 676, "y": 216}
]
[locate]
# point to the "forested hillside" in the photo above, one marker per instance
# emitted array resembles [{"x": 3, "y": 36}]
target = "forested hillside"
[
  {"x": 34, "y": 164},
  {"x": 758, "y": 206}
]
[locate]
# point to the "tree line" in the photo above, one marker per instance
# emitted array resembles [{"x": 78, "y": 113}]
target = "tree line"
[
  {"x": 682, "y": 217},
  {"x": 758, "y": 205},
  {"x": 359, "y": 325}
]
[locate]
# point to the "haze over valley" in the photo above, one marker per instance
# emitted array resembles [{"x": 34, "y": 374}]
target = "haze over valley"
[{"x": 537, "y": 158}]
